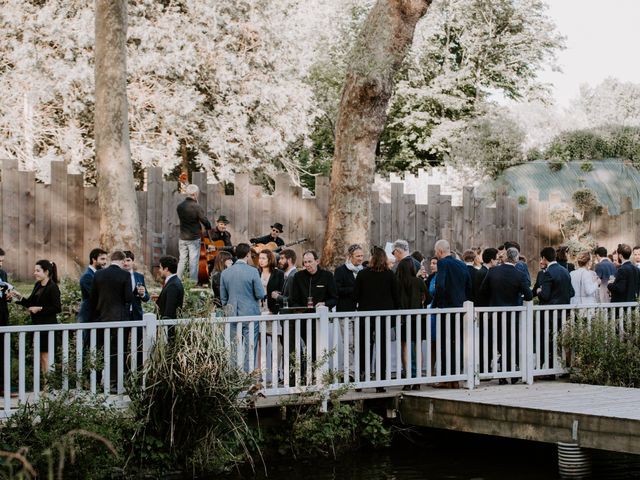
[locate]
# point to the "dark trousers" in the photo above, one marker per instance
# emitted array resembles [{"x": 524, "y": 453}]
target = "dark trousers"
[
  {"x": 373, "y": 341},
  {"x": 307, "y": 352}
]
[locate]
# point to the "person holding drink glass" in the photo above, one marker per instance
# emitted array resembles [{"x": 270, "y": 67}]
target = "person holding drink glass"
[{"x": 311, "y": 287}]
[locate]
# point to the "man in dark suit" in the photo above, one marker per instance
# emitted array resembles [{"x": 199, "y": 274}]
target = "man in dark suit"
[
  {"x": 469, "y": 257},
  {"x": 138, "y": 286},
  {"x": 140, "y": 294},
  {"x": 110, "y": 300},
  {"x": 453, "y": 288},
  {"x": 506, "y": 286},
  {"x": 489, "y": 260},
  {"x": 555, "y": 288},
  {"x": 172, "y": 295},
  {"x": 626, "y": 286},
  {"x": 97, "y": 261}
]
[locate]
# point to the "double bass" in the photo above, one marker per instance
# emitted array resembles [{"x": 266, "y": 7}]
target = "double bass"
[{"x": 208, "y": 251}]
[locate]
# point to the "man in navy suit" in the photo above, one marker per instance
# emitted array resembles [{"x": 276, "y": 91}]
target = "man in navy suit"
[
  {"x": 506, "y": 286},
  {"x": 140, "y": 294},
  {"x": 626, "y": 286},
  {"x": 555, "y": 287},
  {"x": 138, "y": 287},
  {"x": 240, "y": 291},
  {"x": 172, "y": 295},
  {"x": 97, "y": 260},
  {"x": 109, "y": 301},
  {"x": 453, "y": 288}
]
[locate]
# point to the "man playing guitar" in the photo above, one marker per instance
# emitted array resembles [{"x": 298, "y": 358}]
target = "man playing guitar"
[
  {"x": 220, "y": 231},
  {"x": 274, "y": 236}
]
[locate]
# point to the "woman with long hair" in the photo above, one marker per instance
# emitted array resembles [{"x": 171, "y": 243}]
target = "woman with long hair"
[
  {"x": 272, "y": 281},
  {"x": 376, "y": 289},
  {"x": 413, "y": 291},
  {"x": 43, "y": 303},
  {"x": 222, "y": 261}
]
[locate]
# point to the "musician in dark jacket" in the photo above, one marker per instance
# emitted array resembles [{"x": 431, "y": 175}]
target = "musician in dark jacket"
[
  {"x": 192, "y": 220},
  {"x": 274, "y": 236},
  {"x": 345, "y": 277},
  {"x": 626, "y": 286},
  {"x": 220, "y": 232},
  {"x": 43, "y": 303}
]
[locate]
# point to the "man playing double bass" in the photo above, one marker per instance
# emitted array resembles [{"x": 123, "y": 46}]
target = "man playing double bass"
[
  {"x": 274, "y": 236},
  {"x": 192, "y": 219}
]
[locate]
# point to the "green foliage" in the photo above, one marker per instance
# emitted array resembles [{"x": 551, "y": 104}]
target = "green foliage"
[
  {"x": 80, "y": 436},
  {"x": 70, "y": 297},
  {"x": 586, "y": 201},
  {"x": 556, "y": 164},
  {"x": 596, "y": 144},
  {"x": 190, "y": 404},
  {"x": 309, "y": 433},
  {"x": 492, "y": 143},
  {"x": 586, "y": 167},
  {"x": 522, "y": 200},
  {"x": 601, "y": 355}
]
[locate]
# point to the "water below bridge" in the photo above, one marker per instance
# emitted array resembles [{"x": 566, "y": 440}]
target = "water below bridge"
[{"x": 438, "y": 455}]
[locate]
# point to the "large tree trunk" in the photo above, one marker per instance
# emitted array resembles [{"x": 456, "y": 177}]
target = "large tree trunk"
[
  {"x": 119, "y": 222},
  {"x": 378, "y": 54}
]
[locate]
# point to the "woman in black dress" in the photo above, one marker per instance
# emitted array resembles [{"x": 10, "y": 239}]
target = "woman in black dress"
[
  {"x": 43, "y": 303},
  {"x": 376, "y": 289}
]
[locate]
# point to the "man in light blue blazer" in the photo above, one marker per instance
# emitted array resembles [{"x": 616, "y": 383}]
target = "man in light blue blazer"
[{"x": 240, "y": 291}]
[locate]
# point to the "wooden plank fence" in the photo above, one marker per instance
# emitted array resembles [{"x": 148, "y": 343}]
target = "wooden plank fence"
[{"x": 60, "y": 221}]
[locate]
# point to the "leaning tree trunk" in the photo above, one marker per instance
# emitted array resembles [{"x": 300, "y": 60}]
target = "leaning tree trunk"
[
  {"x": 119, "y": 222},
  {"x": 379, "y": 51}
]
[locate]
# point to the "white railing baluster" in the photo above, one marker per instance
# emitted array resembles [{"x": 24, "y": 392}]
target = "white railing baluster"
[
  {"x": 503, "y": 343},
  {"x": 470, "y": 341},
  {"x": 398, "y": 348},
  {"x": 79, "y": 341},
  {"x": 134, "y": 349},
  {"x": 378, "y": 338},
  {"x": 94, "y": 358},
  {"x": 262, "y": 367},
  {"x": 106, "y": 372},
  {"x": 275, "y": 362},
  {"x": 298, "y": 355},
  {"x": 418, "y": 346},
  {"x": 65, "y": 360},
  {"x": 458, "y": 342},
  {"x": 448, "y": 350},
  {"x": 36, "y": 365},
  {"x": 554, "y": 340},
  {"x": 286, "y": 353},
  {"x": 22, "y": 366},
  {"x": 52, "y": 351},
  {"x": 309, "y": 351},
  {"x": 513, "y": 359},
  {"x": 6, "y": 340},
  {"x": 546, "y": 342},
  {"x": 439, "y": 344},
  {"x": 120, "y": 362},
  {"x": 367, "y": 349},
  {"x": 494, "y": 343},
  {"x": 430, "y": 365},
  {"x": 346, "y": 363}
]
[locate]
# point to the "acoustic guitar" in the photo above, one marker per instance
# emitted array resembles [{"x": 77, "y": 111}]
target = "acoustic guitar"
[{"x": 259, "y": 247}]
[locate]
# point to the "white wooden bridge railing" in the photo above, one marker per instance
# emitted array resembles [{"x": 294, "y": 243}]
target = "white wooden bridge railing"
[{"x": 415, "y": 347}]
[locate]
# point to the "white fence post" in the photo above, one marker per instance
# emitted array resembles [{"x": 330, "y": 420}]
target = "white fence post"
[
  {"x": 150, "y": 334},
  {"x": 529, "y": 365},
  {"x": 322, "y": 345},
  {"x": 469, "y": 344}
]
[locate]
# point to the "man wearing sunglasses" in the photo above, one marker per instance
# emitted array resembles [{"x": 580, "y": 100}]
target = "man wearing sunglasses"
[{"x": 274, "y": 236}]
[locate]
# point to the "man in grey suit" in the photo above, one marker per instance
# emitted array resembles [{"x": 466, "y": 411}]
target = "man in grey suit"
[{"x": 240, "y": 290}]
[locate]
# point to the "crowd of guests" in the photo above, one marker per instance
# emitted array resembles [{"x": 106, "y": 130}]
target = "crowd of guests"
[{"x": 244, "y": 287}]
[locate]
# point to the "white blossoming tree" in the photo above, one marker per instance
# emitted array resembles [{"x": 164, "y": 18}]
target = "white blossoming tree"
[{"x": 224, "y": 79}]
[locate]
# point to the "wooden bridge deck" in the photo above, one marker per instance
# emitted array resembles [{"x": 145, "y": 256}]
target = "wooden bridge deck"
[{"x": 606, "y": 418}]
